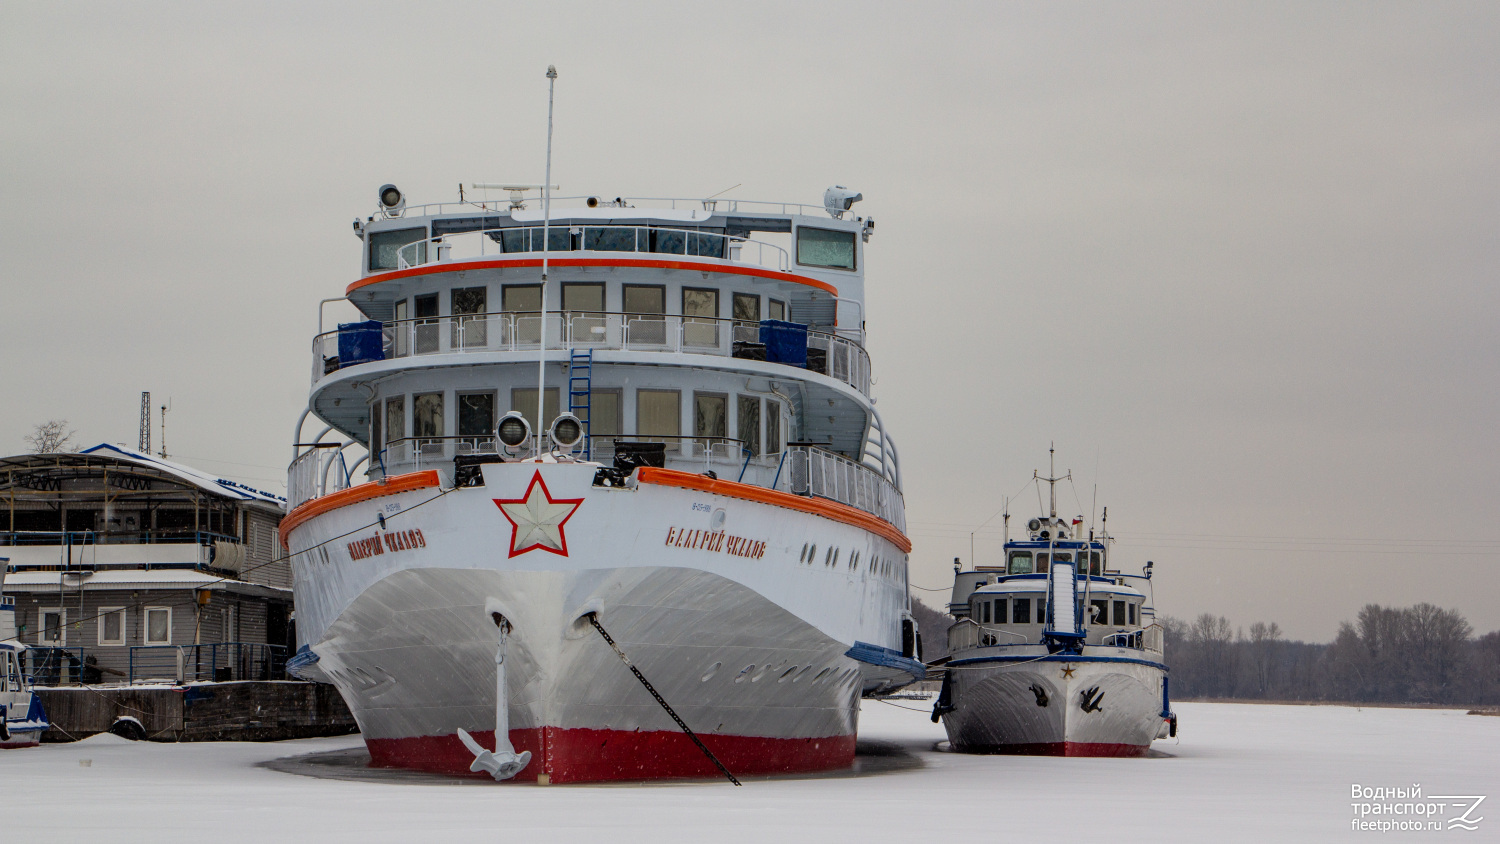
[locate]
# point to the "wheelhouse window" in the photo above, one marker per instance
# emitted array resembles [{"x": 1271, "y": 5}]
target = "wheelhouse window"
[
  {"x": 1119, "y": 613},
  {"x": 469, "y": 304},
  {"x": 1099, "y": 612},
  {"x": 1043, "y": 560},
  {"x": 385, "y": 245},
  {"x": 825, "y": 248},
  {"x": 476, "y": 423},
  {"x": 158, "y": 625},
  {"x": 1020, "y": 563},
  {"x": 1020, "y": 611},
  {"x": 747, "y": 423},
  {"x": 111, "y": 626},
  {"x": 529, "y": 239},
  {"x": 615, "y": 239},
  {"x": 658, "y": 413},
  {"x": 984, "y": 611},
  {"x": 1133, "y": 615}
]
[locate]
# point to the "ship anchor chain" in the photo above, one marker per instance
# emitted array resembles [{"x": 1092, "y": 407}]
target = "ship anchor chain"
[{"x": 594, "y": 620}]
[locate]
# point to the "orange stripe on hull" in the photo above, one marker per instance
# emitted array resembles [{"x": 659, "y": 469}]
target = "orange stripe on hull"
[
  {"x": 816, "y": 506},
  {"x": 354, "y": 495}
]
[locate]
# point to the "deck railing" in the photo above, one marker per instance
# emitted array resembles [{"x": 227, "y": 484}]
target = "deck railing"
[
  {"x": 968, "y": 633},
  {"x": 829, "y": 354},
  {"x": 824, "y": 474},
  {"x": 314, "y": 473},
  {"x": 498, "y": 203},
  {"x": 193, "y": 663}
]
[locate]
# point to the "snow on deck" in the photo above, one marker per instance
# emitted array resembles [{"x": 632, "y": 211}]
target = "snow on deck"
[{"x": 1238, "y": 772}]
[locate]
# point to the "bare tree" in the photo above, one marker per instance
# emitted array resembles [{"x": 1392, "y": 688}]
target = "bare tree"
[{"x": 50, "y": 437}]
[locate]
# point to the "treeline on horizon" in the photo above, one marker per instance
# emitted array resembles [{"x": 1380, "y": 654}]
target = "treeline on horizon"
[{"x": 1417, "y": 654}]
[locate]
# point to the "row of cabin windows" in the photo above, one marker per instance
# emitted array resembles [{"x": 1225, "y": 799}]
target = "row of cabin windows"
[
  {"x": 1103, "y": 612},
  {"x": 113, "y": 626},
  {"x": 1024, "y": 562},
  {"x": 815, "y": 247},
  {"x": 588, "y": 298},
  {"x": 658, "y": 413},
  {"x": 882, "y": 566}
]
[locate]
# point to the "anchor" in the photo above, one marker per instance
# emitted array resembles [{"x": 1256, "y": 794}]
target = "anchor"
[
  {"x": 504, "y": 762},
  {"x": 1091, "y": 700}
]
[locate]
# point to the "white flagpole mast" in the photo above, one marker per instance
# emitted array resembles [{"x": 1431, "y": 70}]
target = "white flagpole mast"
[{"x": 541, "y": 362}]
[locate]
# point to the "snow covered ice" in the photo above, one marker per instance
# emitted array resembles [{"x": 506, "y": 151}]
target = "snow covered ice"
[{"x": 1238, "y": 772}]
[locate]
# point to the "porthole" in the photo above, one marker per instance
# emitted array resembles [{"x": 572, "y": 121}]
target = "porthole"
[
  {"x": 803, "y": 558},
  {"x": 785, "y": 674},
  {"x": 822, "y": 674},
  {"x": 744, "y": 672},
  {"x": 828, "y": 558},
  {"x": 712, "y": 670},
  {"x": 812, "y": 554}
]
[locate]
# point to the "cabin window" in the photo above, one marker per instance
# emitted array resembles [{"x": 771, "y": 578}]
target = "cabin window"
[
  {"x": 604, "y": 413},
  {"x": 775, "y": 309},
  {"x": 747, "y": 423},
  {"x": 111, "y": 625},
  {"x": 1120, "y": 613},
  {"x": 1041, "y": 610},
  {"x": 395, "y": 419},
  {"x": 614, "y": 239},
  {"x": 425, "y": 328},
  {"x": 427, "y": 421},
  {"x": 710, "y": 418},
  {"x": 376, "y": 443},
  {"x": 1133, "y": 616},
  {"x": 1020, "y": 611},
  {"x": 658, "y": 413},
  {"x": 773, "y": 427},
  {"x": 984, "y": 610},
  {"x": 825, "y": 248},
  {"x": 401, "y": 331},
  {"x": 476, "y": 422},
  {"x": 468, "y": 304},
  {"x": 704, "y": 304},
  {"x": 523, "y": 399},
  {"x": 1042, "y": 561},
  {"x": 1093, "y": 561},
  {"x": 642, "y": 304},
  {"x": 158, "y": 625},
  {"x": 1099, "y": 612},
  {"x": 584, "y": 298},
  {"x": 1020, "y": 563},
  {"x": 525, "y": 302},
  {"x": 747, "y": 307},
  {"x": 385, "y": 245}
]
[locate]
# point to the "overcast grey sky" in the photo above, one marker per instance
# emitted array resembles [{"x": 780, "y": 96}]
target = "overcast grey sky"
[{"x": 1238, "y": 260}]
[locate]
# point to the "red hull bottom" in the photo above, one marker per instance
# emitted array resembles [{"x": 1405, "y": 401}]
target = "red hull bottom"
[
  {"x": 586, "y": 755},
  {"x": 1063, "y": 748}
]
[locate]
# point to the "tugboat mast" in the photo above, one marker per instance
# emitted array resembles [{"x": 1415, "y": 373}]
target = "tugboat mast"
[{"x": 1052, "y": 482}]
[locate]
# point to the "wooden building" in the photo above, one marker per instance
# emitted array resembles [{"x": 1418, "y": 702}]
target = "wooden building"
[{"x": 127, "y": 568}]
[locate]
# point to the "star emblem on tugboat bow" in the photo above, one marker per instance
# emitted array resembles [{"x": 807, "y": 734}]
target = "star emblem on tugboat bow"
[
  {"x": 537, "y": 519},
  {"x": 1067, "y": 672}
]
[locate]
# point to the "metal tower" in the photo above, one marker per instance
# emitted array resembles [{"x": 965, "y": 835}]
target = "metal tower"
[{"x": 145, "y": 444}]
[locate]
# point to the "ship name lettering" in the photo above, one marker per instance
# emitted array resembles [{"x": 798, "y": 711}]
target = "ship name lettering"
[
  {"x": 398, "y": 540},
  {"x": 717, "y": 541}
]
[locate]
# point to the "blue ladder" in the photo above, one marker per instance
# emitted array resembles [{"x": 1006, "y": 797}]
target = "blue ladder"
[{"x": 580, "y": 390}]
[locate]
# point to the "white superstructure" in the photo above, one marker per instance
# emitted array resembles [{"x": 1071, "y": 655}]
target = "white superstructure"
[{"x": 715, "y": 488}]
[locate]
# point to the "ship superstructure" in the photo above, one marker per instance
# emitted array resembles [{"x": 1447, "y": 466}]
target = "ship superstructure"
[{"x": 703, "y": 474}]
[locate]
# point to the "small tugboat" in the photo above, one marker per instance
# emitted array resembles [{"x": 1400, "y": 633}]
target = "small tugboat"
[
  {"x": 22, "y": 720},
  {"x": 1054, "y": 653}
]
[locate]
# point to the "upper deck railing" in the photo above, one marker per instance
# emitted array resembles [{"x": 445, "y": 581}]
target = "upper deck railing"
[
  {"x": 968, "y": 633},
  {"x": 828, "y": 354},
  {"x": 634, "y": 205},
  {"x": 656, "y": 240},
  {"x": 814, "y": 471}
]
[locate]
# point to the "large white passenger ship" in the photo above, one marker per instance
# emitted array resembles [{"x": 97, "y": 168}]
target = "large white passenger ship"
[{"x": 712, "y": 485}]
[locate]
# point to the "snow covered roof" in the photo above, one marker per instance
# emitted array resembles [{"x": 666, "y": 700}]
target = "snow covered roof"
[
  {"x": 187, "y": 474},
  {"x": 124, "y": 579}
]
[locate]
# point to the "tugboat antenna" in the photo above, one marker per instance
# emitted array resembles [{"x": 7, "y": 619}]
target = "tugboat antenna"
[
  {"x": 1052, "y": 481},
  {"x": 541, "y": 355}
]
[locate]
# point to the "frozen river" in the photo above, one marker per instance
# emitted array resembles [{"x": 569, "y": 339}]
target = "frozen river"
[{"x": 1236, "y": 772}]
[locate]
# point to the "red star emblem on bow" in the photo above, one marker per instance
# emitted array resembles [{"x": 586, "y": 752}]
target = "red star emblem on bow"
[{"x": 537, "y": 519}]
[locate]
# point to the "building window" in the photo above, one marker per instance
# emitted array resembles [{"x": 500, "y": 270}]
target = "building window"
[
  {"x": 158, "y": 625},
  {"x": 748, "y": 423},
  {"x": 658, "y": 413},
  {"x": 54, "y": 628},
  {"x": 825, "y": 248},
  {"x": 111, "y": 625}
]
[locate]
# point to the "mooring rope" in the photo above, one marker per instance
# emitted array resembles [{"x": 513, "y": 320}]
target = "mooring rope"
[{"x": 594, "y": 620}]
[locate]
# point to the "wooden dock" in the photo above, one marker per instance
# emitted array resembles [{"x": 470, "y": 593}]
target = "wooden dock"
[{"x": 237, "y": 711}]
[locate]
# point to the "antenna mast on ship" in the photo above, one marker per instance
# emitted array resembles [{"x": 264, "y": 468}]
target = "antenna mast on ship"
[
  {"x": 1052, "y": 482},
  {"x": 541, "y": 355}
]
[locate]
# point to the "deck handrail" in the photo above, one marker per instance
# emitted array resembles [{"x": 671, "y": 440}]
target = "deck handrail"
[
  {"x": 499, "y": 205},
  {"x": 831, "y": 354},
  {"x": 824, "y": 474}
]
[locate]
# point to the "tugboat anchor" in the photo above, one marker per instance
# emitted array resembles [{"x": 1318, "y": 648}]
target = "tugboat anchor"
[{"x": 504, "y": 762}]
